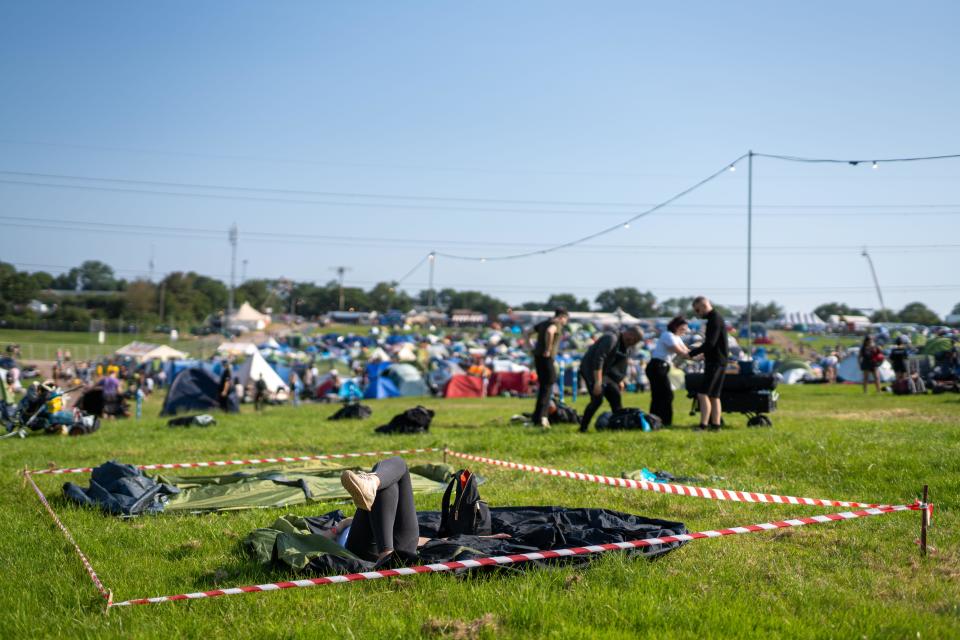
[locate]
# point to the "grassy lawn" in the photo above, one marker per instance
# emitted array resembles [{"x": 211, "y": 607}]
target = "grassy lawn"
[
  {"x": 43, "y": 345},
  {"x": 861, "y": 578}
]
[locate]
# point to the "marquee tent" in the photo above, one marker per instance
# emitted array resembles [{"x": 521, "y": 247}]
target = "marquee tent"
[
  {"x": 249, "y": 317},
  {"x": 143, "y": 351}
]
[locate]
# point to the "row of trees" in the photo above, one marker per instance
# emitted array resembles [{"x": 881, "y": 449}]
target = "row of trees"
[
  {"x": 913, "y": 313},
  {"x": 92, "y": 291}
]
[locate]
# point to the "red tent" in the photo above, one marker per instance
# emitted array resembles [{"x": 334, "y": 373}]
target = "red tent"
[
  {"x": 515, "y": 382},
  {"x": 464, "y": 386}
]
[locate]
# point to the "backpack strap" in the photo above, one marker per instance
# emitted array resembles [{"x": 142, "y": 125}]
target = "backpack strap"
[{"x": 445, "y": 513}]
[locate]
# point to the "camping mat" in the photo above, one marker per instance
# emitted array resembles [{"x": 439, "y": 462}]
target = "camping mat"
[
  {"x": 303, "y": 544},
  {"x": 279, "y": 487}
]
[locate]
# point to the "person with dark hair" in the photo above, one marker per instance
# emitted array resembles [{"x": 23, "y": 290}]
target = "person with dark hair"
[
  {"x": 669, "y": 345},
  {"x": 714, "y": 351},
  {"x": 898, "y": 358},
  {"x": 603, "y": 368},
  {"x": 870, "y": 358},
  {"x": 544, "y": 356},
  {"x": 224, "y": 387}
]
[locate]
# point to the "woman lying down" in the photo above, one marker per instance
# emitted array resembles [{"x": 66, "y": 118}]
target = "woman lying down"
[{"x": 387, "y": 531}]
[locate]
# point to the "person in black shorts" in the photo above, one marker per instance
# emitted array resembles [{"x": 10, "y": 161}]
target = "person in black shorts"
[
  {"x": 714, "y": 352},
  {"x": 548, "y": 334}
]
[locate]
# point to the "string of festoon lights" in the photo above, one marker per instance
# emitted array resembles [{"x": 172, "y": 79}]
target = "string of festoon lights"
[{"x": 729, "y": 167}]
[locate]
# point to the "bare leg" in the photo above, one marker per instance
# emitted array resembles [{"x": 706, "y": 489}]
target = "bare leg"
[
  {"x": 715, "y": 411},
  {"x": 705, "y": 408}
]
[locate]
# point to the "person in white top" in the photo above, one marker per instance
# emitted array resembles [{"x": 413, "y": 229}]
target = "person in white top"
[{"x": 669, "y": 345}]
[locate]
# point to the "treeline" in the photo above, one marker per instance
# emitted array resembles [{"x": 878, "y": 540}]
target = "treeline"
[{"x": 93, "y": 292}]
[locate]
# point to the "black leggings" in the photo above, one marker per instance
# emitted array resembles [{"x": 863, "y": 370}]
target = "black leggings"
[
  {"x": 661, "y": 393},
  {"x": 610, "y": 391},
  {"x": 392, "y": 521},
  {"x": 546, "y": 377}
]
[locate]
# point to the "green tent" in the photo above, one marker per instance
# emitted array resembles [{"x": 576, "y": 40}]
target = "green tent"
[{"x": 279, "y": 488}]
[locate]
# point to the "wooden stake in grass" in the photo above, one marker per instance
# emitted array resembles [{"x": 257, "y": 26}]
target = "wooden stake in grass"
[{"x": 924, "y": 522}]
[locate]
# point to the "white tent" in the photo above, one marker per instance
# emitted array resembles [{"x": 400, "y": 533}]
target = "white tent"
[
  {"x": 254, "y": 367},
  {"x": 143, "y": 351},
  {"x": 249, "y": 317},
  {"x": 794, "y": 318},
  {"x": 848, "y": 369},
  {"x": 237, "y": 348}
]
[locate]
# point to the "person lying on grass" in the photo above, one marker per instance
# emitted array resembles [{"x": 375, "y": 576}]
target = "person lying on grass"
[{"x": 384, "y": 528}]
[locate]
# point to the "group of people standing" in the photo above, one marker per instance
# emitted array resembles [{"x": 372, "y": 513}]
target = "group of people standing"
[{"x": 603, "y": 368}]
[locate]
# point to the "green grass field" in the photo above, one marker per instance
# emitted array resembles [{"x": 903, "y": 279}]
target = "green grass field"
[
  {"x": 43, "y": 345},
  {"x": 861, "y": 578}
]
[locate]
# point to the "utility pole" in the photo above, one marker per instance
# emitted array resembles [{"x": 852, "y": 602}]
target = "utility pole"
[
  {"x": 163, "y": 292},
  {"x": 430, "y": 292},
  {"x": 233, "y": 268},
  {"x": 341, "y": 271},
  {"x": 749, "y": 252},
  {"x": 876, "y": 282},
  {"x": 151, "y": 262},
  {"x": 243, "y": 271}
]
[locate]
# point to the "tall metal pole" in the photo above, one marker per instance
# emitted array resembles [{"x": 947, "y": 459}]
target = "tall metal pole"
[
  {"x": 749, "y": 252},
  {"x": 876, "y": 282},
  {"x": 233, "y": 268},
  {"x": 243, "y": 271},
  {"x": 430, "y": 292}
]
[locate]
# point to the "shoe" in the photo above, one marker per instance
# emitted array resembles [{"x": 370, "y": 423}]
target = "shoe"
[
  {"x": 701, "y": 427},
  {"x": 715, "y": 427},
  {"x": 361, "y": 486},
  {"x": 544, "y": 423}
]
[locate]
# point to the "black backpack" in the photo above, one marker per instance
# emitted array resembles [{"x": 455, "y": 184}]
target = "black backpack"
[
  {"x": 628, "y": 419},
  {"x": 355, "y": 411},
  {"x": 468, "y": 515},
  {"x": 416, "y": 420}
]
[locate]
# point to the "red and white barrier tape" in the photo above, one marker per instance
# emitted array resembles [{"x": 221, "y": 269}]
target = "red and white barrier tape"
[
  {"x": 107, "y": 594},
  {"x": 225, "y": 463},
  {"x": 661, "y": 487},
  {"x": 522, "y": 557}
]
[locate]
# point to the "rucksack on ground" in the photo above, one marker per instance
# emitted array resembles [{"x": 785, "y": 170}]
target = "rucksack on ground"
[
  {"x": 352, "y": 411},
  {"x": 467, "y": 514},
  {"x": 416, "y": 420},
  {"x": 628, "y": 419},
  {"x": 565, "y": 415}
]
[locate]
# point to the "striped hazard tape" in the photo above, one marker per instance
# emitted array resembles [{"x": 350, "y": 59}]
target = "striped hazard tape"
[
  {"x": 661, "y": 487},
  {"x": 108, "y": 595},
  {"x": 248, "y": 461},
  {"x": 522, "y": 557}
]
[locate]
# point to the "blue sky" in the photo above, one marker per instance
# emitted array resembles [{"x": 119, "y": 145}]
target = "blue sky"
[{"x": 552, "y": 102}]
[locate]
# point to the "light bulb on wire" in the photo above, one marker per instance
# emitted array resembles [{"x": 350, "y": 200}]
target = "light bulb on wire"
[
  {"x": 733, "y": 167},
  {"x": 626, "y": 225},
  {"x": 875, "y": 165}
]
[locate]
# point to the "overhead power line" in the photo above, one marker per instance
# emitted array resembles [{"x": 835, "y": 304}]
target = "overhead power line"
[{"x": 855, "y": 161}]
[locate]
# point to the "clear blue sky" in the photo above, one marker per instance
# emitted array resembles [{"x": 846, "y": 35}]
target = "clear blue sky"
[{"x": 609, "y": 102}]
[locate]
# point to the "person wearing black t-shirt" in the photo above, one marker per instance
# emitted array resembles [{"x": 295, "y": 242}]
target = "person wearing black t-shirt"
[
  {"x": 603, "y": 368},
  {"x": 898, "y": 359},
  {"x": 545, "y": 350},
  {"x": 714, "y": 352}
]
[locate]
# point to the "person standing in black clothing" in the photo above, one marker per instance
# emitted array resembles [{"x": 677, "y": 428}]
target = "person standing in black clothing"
[
  {"x": 714, "y": 352},
  {"x": 669, "y": 345},
  {"x": 603, "y": 368},
  {"x": 544, "y": 355}
]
